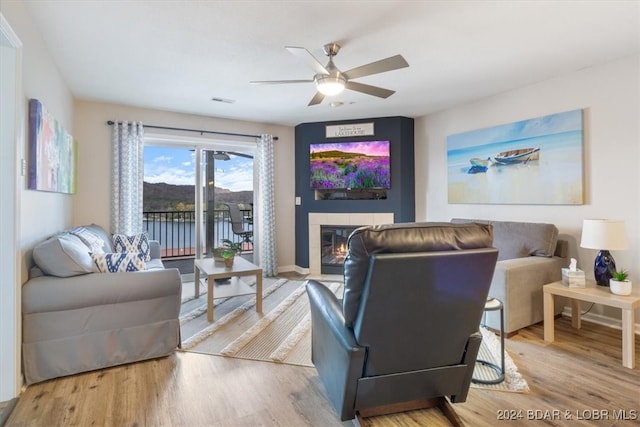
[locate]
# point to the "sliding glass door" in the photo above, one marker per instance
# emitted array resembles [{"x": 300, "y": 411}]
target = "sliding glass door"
[
  {"x": 188, "y": 191},
  {"x": 227, "y": 199}
]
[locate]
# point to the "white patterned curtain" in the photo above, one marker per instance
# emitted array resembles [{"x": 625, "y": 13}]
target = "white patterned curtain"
[
  {"x": 126, "y": 177},
  {"x": 266, "y": 207}
]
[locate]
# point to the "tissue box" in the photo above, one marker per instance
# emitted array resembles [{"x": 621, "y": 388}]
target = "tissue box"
[{"x": 573, "y": 279}]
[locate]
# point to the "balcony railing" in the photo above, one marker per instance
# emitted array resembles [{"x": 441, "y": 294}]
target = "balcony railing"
[{"x": 176, "y": 230}]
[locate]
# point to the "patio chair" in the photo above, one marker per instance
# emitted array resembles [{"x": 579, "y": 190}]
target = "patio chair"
[{"x": 237, "y": 223}]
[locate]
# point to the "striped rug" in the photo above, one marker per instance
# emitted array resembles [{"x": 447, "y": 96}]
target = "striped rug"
[{"x": 282, "y": 333}]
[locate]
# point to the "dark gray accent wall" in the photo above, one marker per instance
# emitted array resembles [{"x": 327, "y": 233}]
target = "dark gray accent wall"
[{"x": 400, "y": 197}]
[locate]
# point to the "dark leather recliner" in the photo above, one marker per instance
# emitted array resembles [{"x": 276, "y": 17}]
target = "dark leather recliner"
[{"x": 407, "y": 329}]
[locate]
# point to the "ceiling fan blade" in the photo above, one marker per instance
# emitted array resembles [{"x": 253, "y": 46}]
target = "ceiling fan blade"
[
  {"x": 306, "y": 56},
  {"x": 277, "y": 82},
  {"x": 388, "y": 64},
  {"x": 317, "y": 99},
  {"x": 370, "y": 90}
]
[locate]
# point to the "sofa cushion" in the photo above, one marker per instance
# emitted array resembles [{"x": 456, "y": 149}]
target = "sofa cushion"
[
  {"x": 402, "y": 238},
  {"x": 137, "y": 243},
  {"x": 154, "y": 264},
  {"x": 102, "y": 234},
  {"x": 118, "y": 262},
  {"x": 516, "y": 239},
  {"x": 63, "y": 255},
  {"x": 94, "y": 242}
]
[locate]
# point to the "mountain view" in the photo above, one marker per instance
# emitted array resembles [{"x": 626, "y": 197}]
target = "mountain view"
[{"x": 159, "y": 197}]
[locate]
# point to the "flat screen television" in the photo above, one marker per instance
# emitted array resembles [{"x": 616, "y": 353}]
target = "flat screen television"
[{"x": 350, "y": 165}]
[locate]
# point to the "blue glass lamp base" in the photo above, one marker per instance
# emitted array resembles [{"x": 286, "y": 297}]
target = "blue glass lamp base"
[{"x": 604, "y": 267}]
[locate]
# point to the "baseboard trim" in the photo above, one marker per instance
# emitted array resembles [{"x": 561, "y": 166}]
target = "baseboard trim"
[
  {"x": 300, "y": 270},
  {"x": 286, "y": 268},
  {"x": 601, "y": 320}
]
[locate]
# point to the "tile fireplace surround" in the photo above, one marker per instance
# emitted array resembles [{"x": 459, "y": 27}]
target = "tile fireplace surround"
[{"x": 318, "y": 219}]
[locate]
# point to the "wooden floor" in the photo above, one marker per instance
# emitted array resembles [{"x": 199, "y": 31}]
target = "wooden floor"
[{"x": 578, "y": 378}]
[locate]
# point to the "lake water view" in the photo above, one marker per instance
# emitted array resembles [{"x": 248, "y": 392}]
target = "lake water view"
[{"x": 177, "y": 237}]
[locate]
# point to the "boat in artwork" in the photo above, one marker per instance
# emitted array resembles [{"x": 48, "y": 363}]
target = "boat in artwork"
[
  {"x": 478, "y": 165},
  {"x": 477, "y": 161},
  {"x": 477, "y": 169},
  {"x": 519, "y": 155}
]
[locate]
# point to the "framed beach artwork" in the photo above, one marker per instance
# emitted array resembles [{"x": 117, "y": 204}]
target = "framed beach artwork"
[
  {"x": 536, "y": 161},
  {"x": 52, "y": 153}
]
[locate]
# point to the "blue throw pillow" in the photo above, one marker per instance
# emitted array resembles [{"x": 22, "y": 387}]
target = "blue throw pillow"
[
  {"x": 118, "y": 262},
  {"x": 138, "y": 243}
]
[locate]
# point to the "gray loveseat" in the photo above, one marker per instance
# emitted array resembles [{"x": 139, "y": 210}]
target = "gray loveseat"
[
  {"x": 530, "y": 256},
  {"x": 76, "y": 319}
]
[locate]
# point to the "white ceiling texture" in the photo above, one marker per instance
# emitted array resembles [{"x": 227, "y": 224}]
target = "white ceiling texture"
[{"x": 178, "y": 55}]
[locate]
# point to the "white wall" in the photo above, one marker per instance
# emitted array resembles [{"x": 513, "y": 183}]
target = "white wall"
[
  {"x": 92, "y": 201},
  {"x": 609, "y": 95},
  {"x": 39, "y": 78},
  {"x": 11, "y": 89}
]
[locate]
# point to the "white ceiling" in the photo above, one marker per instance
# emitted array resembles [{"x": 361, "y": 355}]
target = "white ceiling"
[{"x": 177, "y": 55}]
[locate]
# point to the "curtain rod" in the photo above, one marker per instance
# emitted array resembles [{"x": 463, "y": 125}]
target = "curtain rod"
[{"x": 275, "y": 138}]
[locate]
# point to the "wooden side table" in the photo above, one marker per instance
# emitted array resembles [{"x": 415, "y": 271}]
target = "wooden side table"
[
  {"x": 216, "y": 270},
  {"x": 599, "y": 295}
]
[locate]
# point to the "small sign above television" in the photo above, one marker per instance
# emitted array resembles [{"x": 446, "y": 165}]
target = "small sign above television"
[
  {"x": 350, "y": 165},
  {"x": 356, "y": 129}
]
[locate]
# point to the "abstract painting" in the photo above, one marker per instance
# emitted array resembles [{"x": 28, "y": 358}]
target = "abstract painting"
[
  {"x": 535, "y": 161},
  {"x": 52, "y": 152}
]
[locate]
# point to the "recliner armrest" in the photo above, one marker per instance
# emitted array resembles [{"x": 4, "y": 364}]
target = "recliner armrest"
[
  {"x": 330, "y": 308},
  {"x": 334, "y": 350}
]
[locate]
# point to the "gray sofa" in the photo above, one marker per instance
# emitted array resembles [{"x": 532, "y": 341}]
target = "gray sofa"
[
  {"x": 76, "y": 319},
  {"x": 530, "y": 256}
]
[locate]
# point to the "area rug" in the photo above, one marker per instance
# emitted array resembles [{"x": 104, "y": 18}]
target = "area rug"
[{"x": 282, "y": 333}]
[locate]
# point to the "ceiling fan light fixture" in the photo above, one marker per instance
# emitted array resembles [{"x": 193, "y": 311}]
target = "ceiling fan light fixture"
[
  {"x": 221, "y": 155},
  {"x": 330, "y": 85},
  {"x": 330, "y": 81}
]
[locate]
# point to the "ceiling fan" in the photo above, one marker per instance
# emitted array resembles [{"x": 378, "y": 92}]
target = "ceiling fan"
[{"x": 331, "y": 81}]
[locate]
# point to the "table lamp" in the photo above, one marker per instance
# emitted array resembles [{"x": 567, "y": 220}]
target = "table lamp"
[{"x": 605, "y": 235}]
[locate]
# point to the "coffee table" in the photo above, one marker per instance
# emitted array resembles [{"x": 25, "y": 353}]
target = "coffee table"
[
  {"x": 599, "y": 295},
  {"x": 212, "y": 270}
]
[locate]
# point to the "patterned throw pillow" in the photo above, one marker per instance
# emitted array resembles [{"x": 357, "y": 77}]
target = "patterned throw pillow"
[
  {"x": 138, "y": 243},
  {"x": 118, "y": 262}
]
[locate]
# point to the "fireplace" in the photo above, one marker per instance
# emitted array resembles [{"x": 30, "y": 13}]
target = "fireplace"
[
  {"x": 320, "y": 219},
  {"x": 333, "y": 250}
]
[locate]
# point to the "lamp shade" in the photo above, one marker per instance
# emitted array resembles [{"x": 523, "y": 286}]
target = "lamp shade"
[{"x": 604, "y": 234}]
